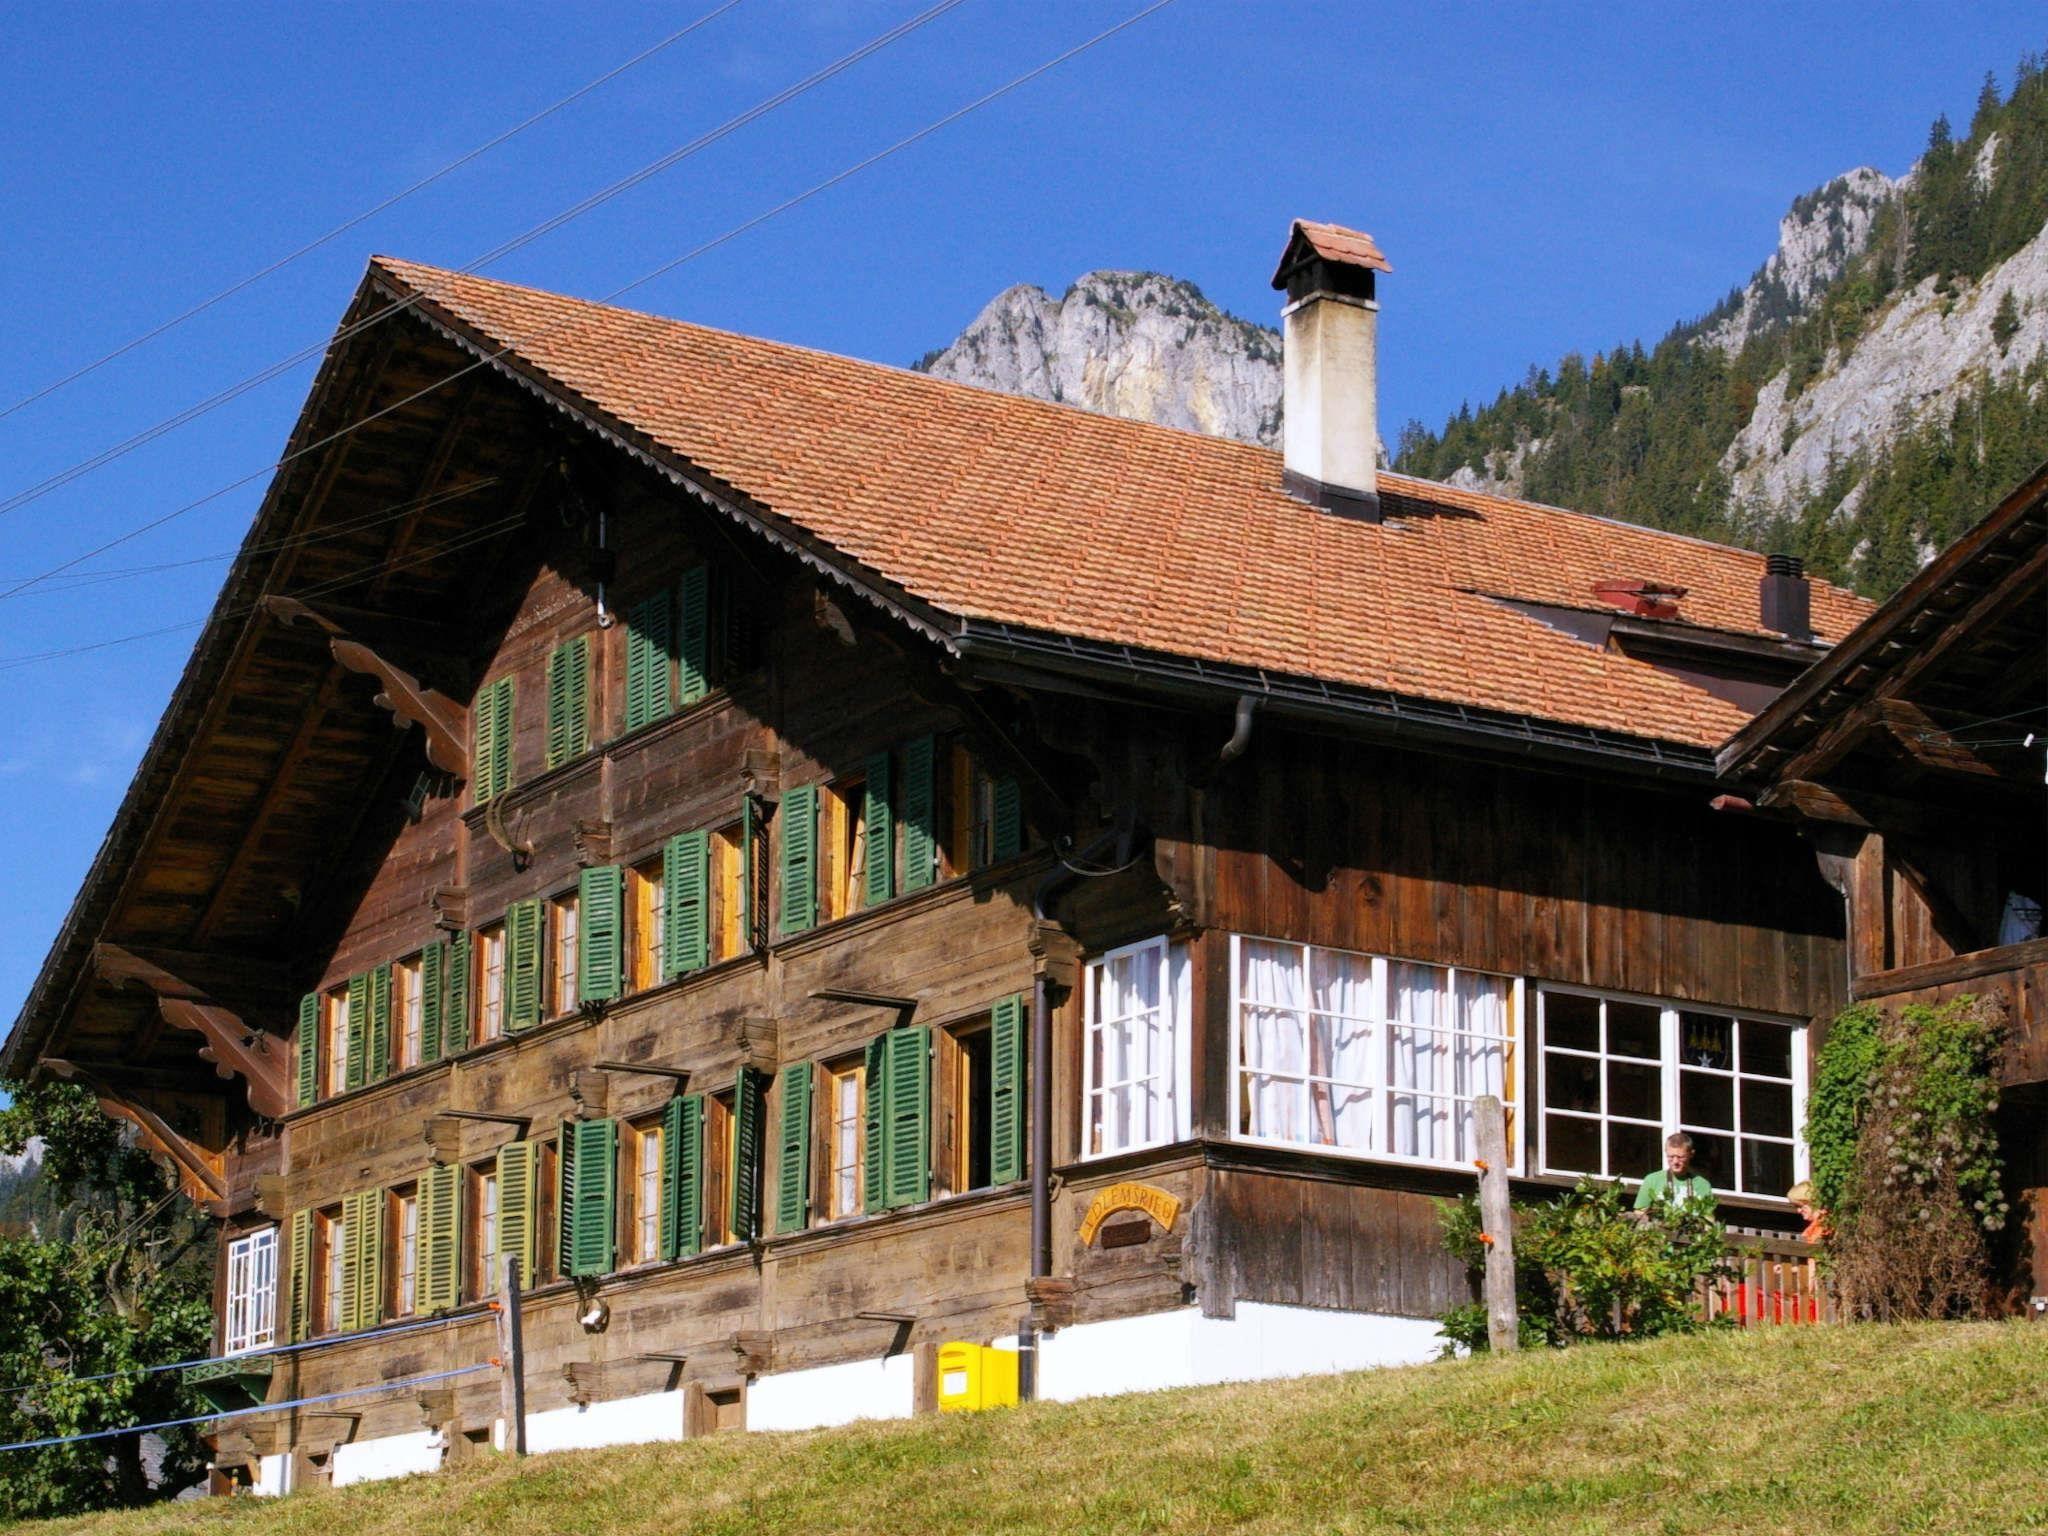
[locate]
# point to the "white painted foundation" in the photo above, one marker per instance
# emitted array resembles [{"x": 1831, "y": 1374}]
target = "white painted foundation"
[
  {"x": 369, "y": 1461},
  {"x": 834, "y": 1394},
  {"x": 622, "y": 1421},
  {"x": 273, "y": 1476}
]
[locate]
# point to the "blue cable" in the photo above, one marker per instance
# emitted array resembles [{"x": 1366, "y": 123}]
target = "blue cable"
[{"x": 236, "y": 1413}]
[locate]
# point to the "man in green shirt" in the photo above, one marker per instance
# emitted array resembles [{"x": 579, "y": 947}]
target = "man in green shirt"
[{"x": 1675, "y": 1181}]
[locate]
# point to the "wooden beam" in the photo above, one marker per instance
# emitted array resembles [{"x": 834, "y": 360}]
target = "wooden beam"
[
  {"x": 1929, "y": 740},
  {"x": 196, "y": 1176},
  {"x": 259, "y": 1058},
  {"x": 1958, "y": 968},
  {"x": 412, "y": 702},
  {"x": 1872, "y": 811}
]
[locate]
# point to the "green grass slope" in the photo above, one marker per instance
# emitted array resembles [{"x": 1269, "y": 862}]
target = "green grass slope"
[{"x": 1802, "y": 1430}]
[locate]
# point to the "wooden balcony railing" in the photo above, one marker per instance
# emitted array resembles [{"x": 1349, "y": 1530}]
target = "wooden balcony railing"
[{"x": 1776, "y": 1280}]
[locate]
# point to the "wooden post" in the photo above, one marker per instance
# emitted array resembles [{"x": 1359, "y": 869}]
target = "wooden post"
[
  {"x": 1496, "y": 1222},
  {"x": 512, "y": 1358}
]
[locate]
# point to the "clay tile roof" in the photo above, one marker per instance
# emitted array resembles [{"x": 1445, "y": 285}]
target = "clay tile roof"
[
  {"x": 992, "y": 507},
  {"x": 1335, "y": 243}
]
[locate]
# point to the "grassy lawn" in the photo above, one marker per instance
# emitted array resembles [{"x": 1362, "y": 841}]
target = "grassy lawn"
[{"x": 1938, "y": 1428}]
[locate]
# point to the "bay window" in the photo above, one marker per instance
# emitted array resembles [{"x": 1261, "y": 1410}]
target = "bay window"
[
  {"x": 251, "y": 1321},
  {"x": 1618, "y": 1073},
  {"x": 1364, "y": 1055},
  {"x": 1135, "y": 1061}
]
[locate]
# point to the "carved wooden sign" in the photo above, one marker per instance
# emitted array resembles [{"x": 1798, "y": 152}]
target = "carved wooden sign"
[{"x": 1162, "y": 1206}]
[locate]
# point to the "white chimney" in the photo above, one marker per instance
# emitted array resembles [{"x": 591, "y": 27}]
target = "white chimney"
[{"x": 1331, "y": 400}]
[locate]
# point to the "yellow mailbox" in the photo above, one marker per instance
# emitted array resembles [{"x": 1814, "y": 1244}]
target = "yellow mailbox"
[{"x": 976, "y": 1376}]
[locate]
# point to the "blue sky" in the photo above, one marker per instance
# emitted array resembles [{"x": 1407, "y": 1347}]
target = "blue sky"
[{"x": 1543, "y": 178}]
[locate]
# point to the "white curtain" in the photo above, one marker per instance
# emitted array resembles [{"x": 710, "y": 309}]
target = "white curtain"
[
  {"x": 1340, "y": 1050},
  {"x": 1485, "y": 1020},
  {"x": 1421, "y": 1061},
  {"x": 1273, "y": 1037},
  {"x": 1132, "y": 1050}
]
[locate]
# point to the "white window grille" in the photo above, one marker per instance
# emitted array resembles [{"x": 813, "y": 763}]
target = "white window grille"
[
  {"x": 1135, "y": 1065},
  {"x": 251, "y": 1293}
]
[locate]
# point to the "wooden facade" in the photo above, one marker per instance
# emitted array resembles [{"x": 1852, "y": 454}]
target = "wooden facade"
[{"x": 322, "y": 804}]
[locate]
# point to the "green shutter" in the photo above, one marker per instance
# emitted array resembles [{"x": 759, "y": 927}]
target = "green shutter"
[
  {"x": 461, "y": 983},
  {"x": 593, "y": 1189},
  {"x": 568, "y": 701},
  {"x": 565, "y": 1196},
  {"x": 519, "y": 1208},
  {"x": 525, "y": 947},
  {"x": 1009, "y": 818},
  {"x": 601, "y": 933},
  {"x": 749, "y": 1114},
  {"x": 878, "y": 857},
  {"x": 683, "y": 1178},
  {"x": 362, "y": 1260},
  {"x": 1006, "y": 1110},
  {"x": 490, "y": 768},
  {"x": 871, "y": 1127},
  {"x": 309, "y": 1049},
  {"x": 686, "y": 903},
  {"x": 793, "y": 1150},
  {"x": 906, "y": 1116},
  {"x": 437, "y": 1273},
  {"x": 920, "y": 808},
  {"x": 299, "y": 1300},
  {"x": 352, "y": 1075},
  {"x": 433, "y": 998},
  {"x": 693, "y": 637},
  {"x": 379, "y": 1046},
  {"x": 799, "y": 817},
  {"x": 649, "y": 632}
]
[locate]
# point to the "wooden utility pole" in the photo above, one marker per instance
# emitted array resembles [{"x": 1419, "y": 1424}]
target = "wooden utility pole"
[
  {"x": 1496, "y": 1222},
  {"x": 512, "y": 1360}
]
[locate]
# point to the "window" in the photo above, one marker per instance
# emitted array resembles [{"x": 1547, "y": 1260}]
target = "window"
[
  {"x": 408, "y": 1001},
  {"x": 334, "y": 1029},
  {"x": 1135, "y": 1066},
  {"x": 643, "y": 1191},
  {"x": 562, "y": 929},
  {"x": 842, "y": 849},
  {"x": 718, "y": 1168},
  {"x": 405, "y": 1232},
  {"x": 646, "y": 895},
  {"x": 1619, "y": 1072},
  {"x": 483, "y": 1184},
  {"x": 1361, "y": 1054},
  {"x": 547, "y": 1213},
  {"x": 983, "y": 821},
  {"x": 251, "y": 1321},
  {"x": 728, "y": 897},
  {"x": 491, "y": 970},
  {"x": 845, "y": 1101},
  {"x": 330, "y": 1241},
  {"x": 960, "y": 1155}
]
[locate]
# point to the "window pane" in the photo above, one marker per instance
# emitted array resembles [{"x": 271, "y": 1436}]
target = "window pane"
[
  {"x": 1571, "y": 1082},
  {"x": 1704, "y": 1099},
  {"x": 1635, "y": 1090},
  {"x": 1766, "y": 1166},
  {"x": 1766, "y": 1108},
  {"x": 1706, "y": 1040},
  {"x": 1714, "y": 1156},
  {"x": 1766, "y": 1049},
  {"x": 1571, "y": 1020},
  {"x": 1633, "y": 1150},
  {"x": 1573, "y": 1144},
  {"x": 1634, "y": 1029}
]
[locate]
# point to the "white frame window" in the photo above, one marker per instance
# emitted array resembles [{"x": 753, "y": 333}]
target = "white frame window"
[
  {"x": 1136, "y": 1055},
  {"x": 411, "y": 1003},
  {"x": 647, "y": 1199},
  {"x": 1358, "y": 1055},
  {"x": 1693, "y": 1070},
  {"x": 251, "y": 1320}
]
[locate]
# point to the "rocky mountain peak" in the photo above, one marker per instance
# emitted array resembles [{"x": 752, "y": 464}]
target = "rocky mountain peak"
[
  {"x": 1822, "y": 232},
  {"x": 1135, "y": 344}
]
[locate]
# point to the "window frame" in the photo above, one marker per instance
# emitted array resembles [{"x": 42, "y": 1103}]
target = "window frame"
[
  {"x": 408, "y": 1008},
  {"x": 1176, "y": 1006},
  {"x": 646, "y": 892},
  {"x": 335, "y": 1025},
  {"x": 249, "y": 1299},
  {"x": 842, "y": 848},
  {"x": 481, "y": 1240},
  {"x": 961, "y": 1103},
  {"x": 1671, "y": 1070},
  {"x": 561, "y": 942},
  {"x": 642, "y": 1152},
  {"x": 1382, "y": 1023},
  {"x": 490, "y": 1014},
  {"x": 330, "y": 1268},
  {"x": 402, "y": 1207},
  {"x": 720, "y": 1149},
  {"x": 830, "y": 1076},
  {"x": 728, "y": 882}
]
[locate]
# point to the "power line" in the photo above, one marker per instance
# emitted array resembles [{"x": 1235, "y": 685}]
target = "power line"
[
  {"x": 604, "y": 195},
  {"x": 370, "y": 213},
  {"x": 239, "y": 1413},
  {"x": 662, "y": 270}
]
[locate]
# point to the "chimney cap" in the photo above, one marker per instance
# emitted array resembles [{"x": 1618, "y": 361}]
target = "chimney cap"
[{"x": 1331, "y": 243}]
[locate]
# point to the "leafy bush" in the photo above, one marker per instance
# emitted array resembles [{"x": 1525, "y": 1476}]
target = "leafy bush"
[
  {"x": 1843, "y": 1073},
  {"x": 1586, "y": 1268}
]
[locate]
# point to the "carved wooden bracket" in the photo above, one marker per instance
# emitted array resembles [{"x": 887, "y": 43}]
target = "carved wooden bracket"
[
  {"x": 591, "y": 1089},
  {"x": 756, "y": 1350},
  {"x": 197, "y": 1177},
  {"x": 273, "y": 1196},
  {"x": 514, "y": 843},
  {"x": 585, "y": 1378},
  {"x": 437, "y": 1406},
  {"x": 760, "y": 1043},
  {"x": 443, "y": 1136},
  {"x": 451, "y": 907},
  {"x": 593, "y": 843},
  {"x": 235, "y": 1049},
  {"x": 1055, "y": 955},
  {"x": 410, "y": 701},
  {"x": 761, "y": 772}
]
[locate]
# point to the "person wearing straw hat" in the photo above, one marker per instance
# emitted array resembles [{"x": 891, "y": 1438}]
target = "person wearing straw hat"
[{"x": 1817, "y": 1228}]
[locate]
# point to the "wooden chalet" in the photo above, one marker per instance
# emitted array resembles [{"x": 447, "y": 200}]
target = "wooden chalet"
[
  {"x": 1912, "y": 757},
  {"x": 814, "y": 861}
]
